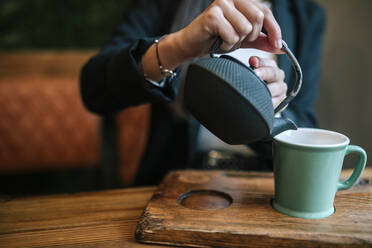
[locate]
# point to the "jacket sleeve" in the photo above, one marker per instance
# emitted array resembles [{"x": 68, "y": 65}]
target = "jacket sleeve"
[
  {"x": 302, "y": 109},
  {"x": 110, "y": 80}
]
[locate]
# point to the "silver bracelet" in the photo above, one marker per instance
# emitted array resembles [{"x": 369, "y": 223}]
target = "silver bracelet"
[
  {"x": 142, "y": 70},
  {"x": 167, "y": 73}
]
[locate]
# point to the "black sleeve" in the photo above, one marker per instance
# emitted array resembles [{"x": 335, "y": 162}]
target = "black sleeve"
[
  {"x": 302, "y": 109},
  {"x": 110, "y": 81}
]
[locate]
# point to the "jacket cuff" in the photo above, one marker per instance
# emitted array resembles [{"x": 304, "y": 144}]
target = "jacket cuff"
[{"x": 146, "y": 91}]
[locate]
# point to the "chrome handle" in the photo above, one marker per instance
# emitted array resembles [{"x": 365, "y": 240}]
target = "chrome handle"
[{"x": 296, "y": 66}]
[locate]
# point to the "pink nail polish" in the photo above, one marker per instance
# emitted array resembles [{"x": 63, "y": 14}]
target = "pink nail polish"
[{"x": 278, "y": 44}]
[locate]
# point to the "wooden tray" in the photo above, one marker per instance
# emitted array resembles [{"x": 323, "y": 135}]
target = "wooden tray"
[{"x": 233, "y": 209}]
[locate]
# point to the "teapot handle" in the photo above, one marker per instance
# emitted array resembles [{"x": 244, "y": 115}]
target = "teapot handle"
[
  {"x": 295, "y": 65},
  {"x": 215, "y": 46}
]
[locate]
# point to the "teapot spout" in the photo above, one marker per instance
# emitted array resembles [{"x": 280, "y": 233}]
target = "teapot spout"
[{"x": 282, "y": 124}]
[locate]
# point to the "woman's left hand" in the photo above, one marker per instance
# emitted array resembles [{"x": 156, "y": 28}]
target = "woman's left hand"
[{"x": 268, "y": 71}]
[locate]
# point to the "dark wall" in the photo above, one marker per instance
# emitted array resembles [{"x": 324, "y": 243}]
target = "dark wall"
[
  {"x": 345, "y": 102},
  {"x": 58, "y": 24}
]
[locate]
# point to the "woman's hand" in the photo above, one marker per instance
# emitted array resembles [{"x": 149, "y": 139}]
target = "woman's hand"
[
  {"x": 268, "y": 70},
  {"x": 237, "y": 22}
]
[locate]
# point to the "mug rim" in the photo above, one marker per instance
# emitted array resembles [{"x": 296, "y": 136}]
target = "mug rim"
[{"x": 279, "y": 138}]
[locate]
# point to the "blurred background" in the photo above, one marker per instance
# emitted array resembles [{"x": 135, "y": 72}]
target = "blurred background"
[
  {"x": 50, "y": 144},
  {"x": 345, "y": 102}
]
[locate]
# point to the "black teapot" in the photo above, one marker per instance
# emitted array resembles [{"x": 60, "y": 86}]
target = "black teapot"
[{"x": 230, "y": 100}]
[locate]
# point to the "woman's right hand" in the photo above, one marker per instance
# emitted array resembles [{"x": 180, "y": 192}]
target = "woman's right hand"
[{"x": 237, "y": 22}]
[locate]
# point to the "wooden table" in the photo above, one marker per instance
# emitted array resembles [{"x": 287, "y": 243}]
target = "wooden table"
[{"x": 96, "y": 219}]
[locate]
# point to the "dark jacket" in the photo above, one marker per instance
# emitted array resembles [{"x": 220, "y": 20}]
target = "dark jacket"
[{"x": 111, "y": 82}]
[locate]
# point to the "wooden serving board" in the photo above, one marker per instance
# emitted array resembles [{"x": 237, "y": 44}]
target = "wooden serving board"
[{"x": 233, "y": 209}]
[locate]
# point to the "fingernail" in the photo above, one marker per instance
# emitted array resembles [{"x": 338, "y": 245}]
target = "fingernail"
[
  {"x": 254, "y": 61},
  {"x": 278, "y": 44}
]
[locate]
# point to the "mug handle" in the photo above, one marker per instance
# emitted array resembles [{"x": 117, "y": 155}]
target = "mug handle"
[{"x": 362, "y": 159}]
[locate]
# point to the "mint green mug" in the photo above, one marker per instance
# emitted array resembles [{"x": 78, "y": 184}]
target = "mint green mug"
[{"x": 307, "y": 167}]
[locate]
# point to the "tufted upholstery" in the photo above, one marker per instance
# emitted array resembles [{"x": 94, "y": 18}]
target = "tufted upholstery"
[{"x": 43, "y": 124}]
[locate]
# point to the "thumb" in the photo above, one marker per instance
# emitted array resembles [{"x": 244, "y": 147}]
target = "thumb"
[{"x": 262, "y": 43}]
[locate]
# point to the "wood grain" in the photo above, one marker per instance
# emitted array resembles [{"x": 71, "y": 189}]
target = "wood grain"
[
  {"x": 78, "y": 220},
  {"x": 109, "y": 218},
  {"x": 250, "y": 220}
]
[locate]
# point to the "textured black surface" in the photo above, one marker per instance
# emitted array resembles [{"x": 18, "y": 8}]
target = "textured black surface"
[
  {"x": 229, "y": 99},
  {"x": 244, "y": 81}
]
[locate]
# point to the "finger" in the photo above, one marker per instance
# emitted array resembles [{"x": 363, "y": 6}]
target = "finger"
[
  {"x": 223, "y": 28},
  {"x": 239, "y": 22},
  {"x": 254, "y": 15},
  {"x": 273, "y": 29},
  {"x": 256, "y": 61},
  {"x": 276, "y": 102},
  {"x": 261, "y": 43},
  {"x": 269, "y": 22},
  {"x": 270, "y": 74},
  {"x": 277, "y": 89},
  {"x": 271, "y": 25}
]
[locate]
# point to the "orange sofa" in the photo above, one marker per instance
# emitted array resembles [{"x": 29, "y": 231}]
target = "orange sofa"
[{"x": 45, "y": 128}]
